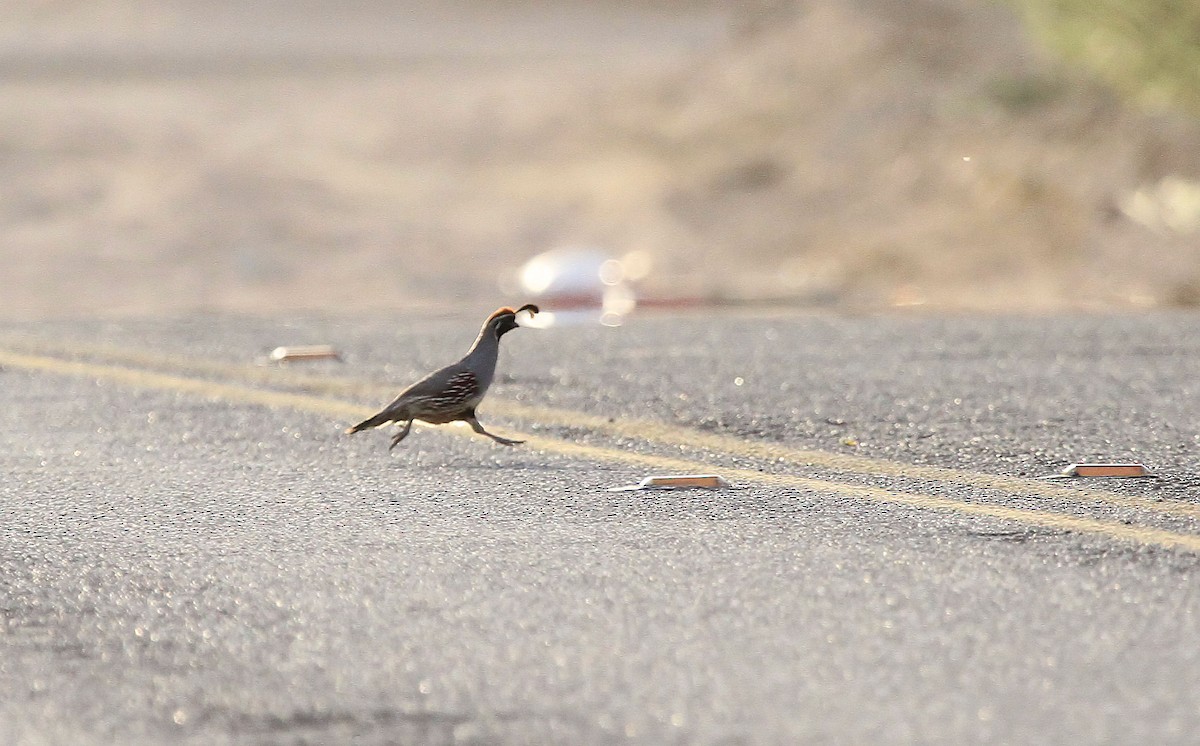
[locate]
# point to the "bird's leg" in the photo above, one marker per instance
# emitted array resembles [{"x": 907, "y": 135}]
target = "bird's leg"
[
  {"x": 400, "y": 435},
  {"x": 477, "y": 427}
]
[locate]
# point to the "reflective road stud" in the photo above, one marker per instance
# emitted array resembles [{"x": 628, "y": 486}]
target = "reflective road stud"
[
  {"x": 679, "y": 481},
  {"x": 1105, "y": 470}
]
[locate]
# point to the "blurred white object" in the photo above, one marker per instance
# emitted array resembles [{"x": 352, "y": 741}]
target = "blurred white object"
[
  {"x": 1170, "y": 206},
  {"x": 579, "y": 285}
]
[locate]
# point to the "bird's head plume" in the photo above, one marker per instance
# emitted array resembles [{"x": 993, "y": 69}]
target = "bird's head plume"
[{"x": 504, "y": 320}]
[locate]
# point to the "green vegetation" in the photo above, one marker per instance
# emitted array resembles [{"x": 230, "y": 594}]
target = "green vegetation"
[
  {"x": 1150, "y": 49},
  {"x": 1022, "y": 92}
]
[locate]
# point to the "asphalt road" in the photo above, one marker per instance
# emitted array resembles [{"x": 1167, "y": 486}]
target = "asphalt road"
[{"x": 191, "y": 551}]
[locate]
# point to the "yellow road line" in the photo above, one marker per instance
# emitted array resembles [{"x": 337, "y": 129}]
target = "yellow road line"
[
  {"x": 657, "y": 432},
  {"x": 1058, "y": 521},
  {"x": 165, "y": 382},
  {"x": 233, "y": 393}
]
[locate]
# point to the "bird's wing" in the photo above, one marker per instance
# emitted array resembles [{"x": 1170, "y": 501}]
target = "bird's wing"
[
  {"x": 450, "y": 389},
  {"x": 432, "y": 383}
]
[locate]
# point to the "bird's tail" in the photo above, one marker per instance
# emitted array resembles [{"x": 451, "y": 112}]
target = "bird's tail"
[{"x": 375, "y": 421}]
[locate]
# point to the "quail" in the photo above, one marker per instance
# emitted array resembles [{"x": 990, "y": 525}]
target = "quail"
[{"x": 452, "y": 393}]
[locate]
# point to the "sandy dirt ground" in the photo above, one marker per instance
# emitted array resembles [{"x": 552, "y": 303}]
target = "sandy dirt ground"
[{"x": 168, "y": 157}]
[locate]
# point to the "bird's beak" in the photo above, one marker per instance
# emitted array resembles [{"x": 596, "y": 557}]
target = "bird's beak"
[{"x": 524, "y": 317}]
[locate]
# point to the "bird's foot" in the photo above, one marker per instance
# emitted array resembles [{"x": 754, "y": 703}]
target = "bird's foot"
[{"x": 400, "y": 435}]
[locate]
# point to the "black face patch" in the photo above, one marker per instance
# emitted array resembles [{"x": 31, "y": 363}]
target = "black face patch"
[{"x": 504, "y": 324}]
